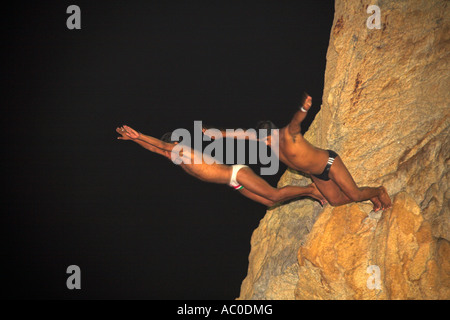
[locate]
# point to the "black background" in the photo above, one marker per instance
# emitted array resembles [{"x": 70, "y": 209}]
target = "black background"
[{"x": 137, "y": 225}]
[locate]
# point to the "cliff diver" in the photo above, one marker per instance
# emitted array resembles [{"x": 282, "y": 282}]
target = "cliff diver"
[
  {"x": 325, "y": 167},
  {"x": 240, "y": 177}
]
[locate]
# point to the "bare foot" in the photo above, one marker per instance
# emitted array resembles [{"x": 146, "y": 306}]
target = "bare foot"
[
  {"x": 384, "y": 198},
  {"x": 315, "y": 193}
]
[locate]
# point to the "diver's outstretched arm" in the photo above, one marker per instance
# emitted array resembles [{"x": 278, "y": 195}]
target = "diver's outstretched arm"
[
  {"x": 131, "y": 134},
  {"x": 148, "y": 139},
  {"x": 248, "y": 134}
]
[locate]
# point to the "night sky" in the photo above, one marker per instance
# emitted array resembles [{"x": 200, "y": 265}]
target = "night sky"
[{"x": 138, "y": 226}]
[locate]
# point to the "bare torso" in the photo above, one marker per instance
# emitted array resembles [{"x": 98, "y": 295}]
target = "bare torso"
[
  {"x": 299, "y": 154},
  {"x": 294, "y": 151}
]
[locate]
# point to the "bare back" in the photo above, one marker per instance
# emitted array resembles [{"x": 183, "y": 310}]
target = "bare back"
[{"x": 204, "y": 167}]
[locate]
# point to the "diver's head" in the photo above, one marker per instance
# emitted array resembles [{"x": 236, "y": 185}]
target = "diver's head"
[
  {"x": 167, "y": 137},
  {"x": 268, "y": 128}
]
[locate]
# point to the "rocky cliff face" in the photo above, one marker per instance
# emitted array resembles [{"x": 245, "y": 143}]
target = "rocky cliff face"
[{"x": 386, "y": 111}]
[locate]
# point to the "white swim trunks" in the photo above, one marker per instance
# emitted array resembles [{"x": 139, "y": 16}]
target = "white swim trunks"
[{"x": 233, "y": 181}]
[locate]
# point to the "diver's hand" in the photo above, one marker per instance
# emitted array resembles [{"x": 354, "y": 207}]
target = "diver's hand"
[
  {"x": 127, "y": 133},
  {"x": 307, "y": 101}
]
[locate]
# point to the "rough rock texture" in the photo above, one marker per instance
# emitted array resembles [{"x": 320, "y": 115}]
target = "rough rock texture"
[
  {"x": 386, "y": 111},
  {"x": 273, "y": 266},
  {"x": 345, "y": 241}
]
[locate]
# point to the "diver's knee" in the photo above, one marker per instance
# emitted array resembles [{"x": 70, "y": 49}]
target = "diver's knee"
[{"x": 270, "y": 203}]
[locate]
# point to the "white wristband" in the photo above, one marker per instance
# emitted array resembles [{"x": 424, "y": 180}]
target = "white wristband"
[{"x": 303, "y": 109}]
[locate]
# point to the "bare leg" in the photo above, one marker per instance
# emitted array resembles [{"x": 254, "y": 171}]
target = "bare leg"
[
  {"x": 270, "y": 203},
  {"x": 256, "y": 198},
  {"x": 260, "y": 187},
  {"x": 316, "y": 194},
  {"x": 335, "y": 196},
  {"x": 348, "y": 191},
  {"x": 331, "y": 192}
]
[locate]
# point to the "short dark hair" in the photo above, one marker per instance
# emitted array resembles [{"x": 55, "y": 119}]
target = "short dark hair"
[
  {"x": 267, "y": 125},
  {"x": 167, "y": 137}
]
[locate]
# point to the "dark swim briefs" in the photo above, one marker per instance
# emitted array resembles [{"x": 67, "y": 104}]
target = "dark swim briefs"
[{"x": 324, "y": 175}]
